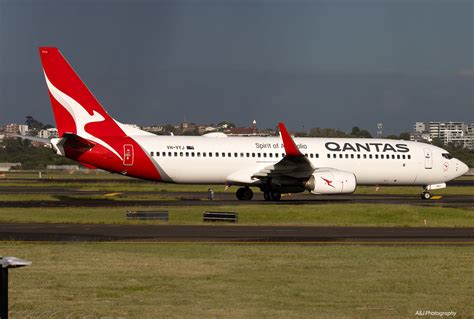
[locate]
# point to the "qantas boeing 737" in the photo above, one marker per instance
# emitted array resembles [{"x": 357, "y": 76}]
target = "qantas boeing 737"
[{"x": 275, "y": 165}]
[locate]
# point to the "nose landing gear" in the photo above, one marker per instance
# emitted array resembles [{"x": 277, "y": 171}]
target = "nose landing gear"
[{"x": 425, "y": 195}]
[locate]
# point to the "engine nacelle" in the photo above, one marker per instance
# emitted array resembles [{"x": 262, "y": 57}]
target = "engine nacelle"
[{"x": 331, "y": 181}]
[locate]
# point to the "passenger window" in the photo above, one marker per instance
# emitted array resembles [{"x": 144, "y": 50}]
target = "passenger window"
[
  {"x": 370, "y": 156},
  {"x": 393, "y": 156},
  {"x": 247, "y": 154},
  {"x": 347, "y": 155},
  {"x": 169, "y": 154},
  {"x": 398, "y": 156},
  {"x": 382, "y": 156},
  {"x": 403, "y": 156},
  {"x": 223, "y": 154},
  {"x": 253, "y": 154},
  {"x": 329, "y": 155},
  {"x": 163, "y": 153},
  {"x": 340, "y": 155},
  {"x": 352, "y": 155},
  {"x": 377, "y": 156},
  {"x": 270, "y": 155},
  {"x": 229, "y": 154},
  {"x": 187, "y": 154},
  {"x": 317, "y": 155},
  {"x": 358, "y": 155},
  {"x": 210, "y": 154},
  {"x": 409, "y": 156},
  {"x": 258, "y": 155},
  {"x": 217, "y": 154},
  {"x": 264, "y": 154},
  {"x": 365, "y": 155},
  {"x": 152, "y": 153},
  {"x": 235, "y": 154},
  {"x": 181, "y": 154},
  {"x": 198, "y": 154},
  {"x": 175, "y": 154}
]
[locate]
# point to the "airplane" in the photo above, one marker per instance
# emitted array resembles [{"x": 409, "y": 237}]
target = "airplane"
[{"x": 275, "y": 165}]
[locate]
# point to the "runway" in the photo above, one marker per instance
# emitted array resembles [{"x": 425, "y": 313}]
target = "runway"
[
  {"x": 65, "y": 198},
  {"x": 236, "y": 234}
]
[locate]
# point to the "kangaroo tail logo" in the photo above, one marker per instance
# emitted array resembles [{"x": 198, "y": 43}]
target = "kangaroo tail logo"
[{"x": 328, "y": 182}]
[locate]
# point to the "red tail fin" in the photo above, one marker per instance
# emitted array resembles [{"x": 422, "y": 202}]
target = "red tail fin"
[{"x": 75, "y": 109}]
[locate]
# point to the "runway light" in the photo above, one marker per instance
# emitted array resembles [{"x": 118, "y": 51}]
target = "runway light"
[{"x": 5, "y": 264}]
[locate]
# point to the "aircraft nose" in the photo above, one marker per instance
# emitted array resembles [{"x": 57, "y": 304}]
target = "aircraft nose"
[{"x": 461, "y": 168}]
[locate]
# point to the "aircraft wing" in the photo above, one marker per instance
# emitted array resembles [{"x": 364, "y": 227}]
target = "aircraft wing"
[{"x": 293, "y": 165}]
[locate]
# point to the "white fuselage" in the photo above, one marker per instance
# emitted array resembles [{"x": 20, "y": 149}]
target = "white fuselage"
[{"x": 233, "y": 160}]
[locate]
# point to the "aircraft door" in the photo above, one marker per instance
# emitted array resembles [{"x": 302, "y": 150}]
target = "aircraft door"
[
  {"x": 428, "y": 158},
  {"x": 128, "y": 155}
]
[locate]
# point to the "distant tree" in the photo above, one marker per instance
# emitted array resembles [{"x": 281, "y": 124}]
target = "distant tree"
[
  {"x": 355, "y": 131},
  {"x": 326, "y": 132},
  {"x": 364, "y": 134},
  {"x": 392, "y": 137},
  {"x": 33, "y": 123},
  {"x": 15, "y": 150},
  {"x": 405, "y": 136},
  {"x": 227, "y": 124},
  {"x": 300, "y": 134},
  {"x": 168, "y": 128},
  {"x": 438, "y": 142}
]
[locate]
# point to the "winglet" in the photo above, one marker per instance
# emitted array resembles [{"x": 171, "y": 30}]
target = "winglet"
[{"x": 288, "y": 142}]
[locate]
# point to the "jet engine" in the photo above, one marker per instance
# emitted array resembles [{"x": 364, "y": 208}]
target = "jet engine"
[{"x": 331, "y": 181}]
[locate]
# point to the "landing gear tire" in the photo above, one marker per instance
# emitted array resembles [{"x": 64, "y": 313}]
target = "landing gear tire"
[
  {"x": 275, "y": 195},
  {"x": 244, "y": 193},
  {"x": 272, "y": 195},
  {"x": 425, "y": 195}
]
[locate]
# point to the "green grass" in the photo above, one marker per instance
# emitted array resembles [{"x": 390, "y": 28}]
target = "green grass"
[
  {"x": 239, "y": 281},
  {"x": 324, "y": 215}
]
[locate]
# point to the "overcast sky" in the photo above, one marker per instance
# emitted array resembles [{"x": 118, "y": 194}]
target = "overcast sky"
[{"x": 309, "y": 63}]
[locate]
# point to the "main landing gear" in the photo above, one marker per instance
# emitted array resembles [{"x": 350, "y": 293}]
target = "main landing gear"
[
  {"x": 244, "y": 193},
  {"x": 272, "y": 195}
]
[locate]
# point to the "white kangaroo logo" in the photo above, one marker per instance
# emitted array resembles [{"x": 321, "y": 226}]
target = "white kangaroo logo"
[{"x": 80, "y": 115}]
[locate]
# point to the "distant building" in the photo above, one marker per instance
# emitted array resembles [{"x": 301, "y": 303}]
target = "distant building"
[
  {"x": 247, "y": 131},
  {"x": 48, "y": 133},
  {"x": 457, "y": 133},
  {"x": 13, "y": 128},
  {"x": 156, "y": 129},
  {"x": 5, "y": 167}
]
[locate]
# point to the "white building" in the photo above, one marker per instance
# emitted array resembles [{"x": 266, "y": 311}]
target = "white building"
[
  {"x": 13, "y": 128},
  {"x": 48, "y": 133},
  {"x": 457, "y": 133}
]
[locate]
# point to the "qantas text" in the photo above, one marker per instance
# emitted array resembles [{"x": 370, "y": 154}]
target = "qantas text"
[{"x": 368, "y": 147}]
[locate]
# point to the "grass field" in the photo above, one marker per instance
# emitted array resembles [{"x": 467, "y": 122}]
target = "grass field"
[
  {"x": 239, "y": 281},
  {"x": 322, "y": 215}
]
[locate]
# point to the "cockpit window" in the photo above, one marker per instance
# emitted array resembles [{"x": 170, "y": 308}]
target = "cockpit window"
[{"x": 447, "y": 155}]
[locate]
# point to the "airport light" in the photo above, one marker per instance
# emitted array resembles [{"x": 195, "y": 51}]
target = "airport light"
[{"x": 5, "y": 264}]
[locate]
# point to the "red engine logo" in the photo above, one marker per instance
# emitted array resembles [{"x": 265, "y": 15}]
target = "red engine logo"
[{"x": 328, "y": 182}]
